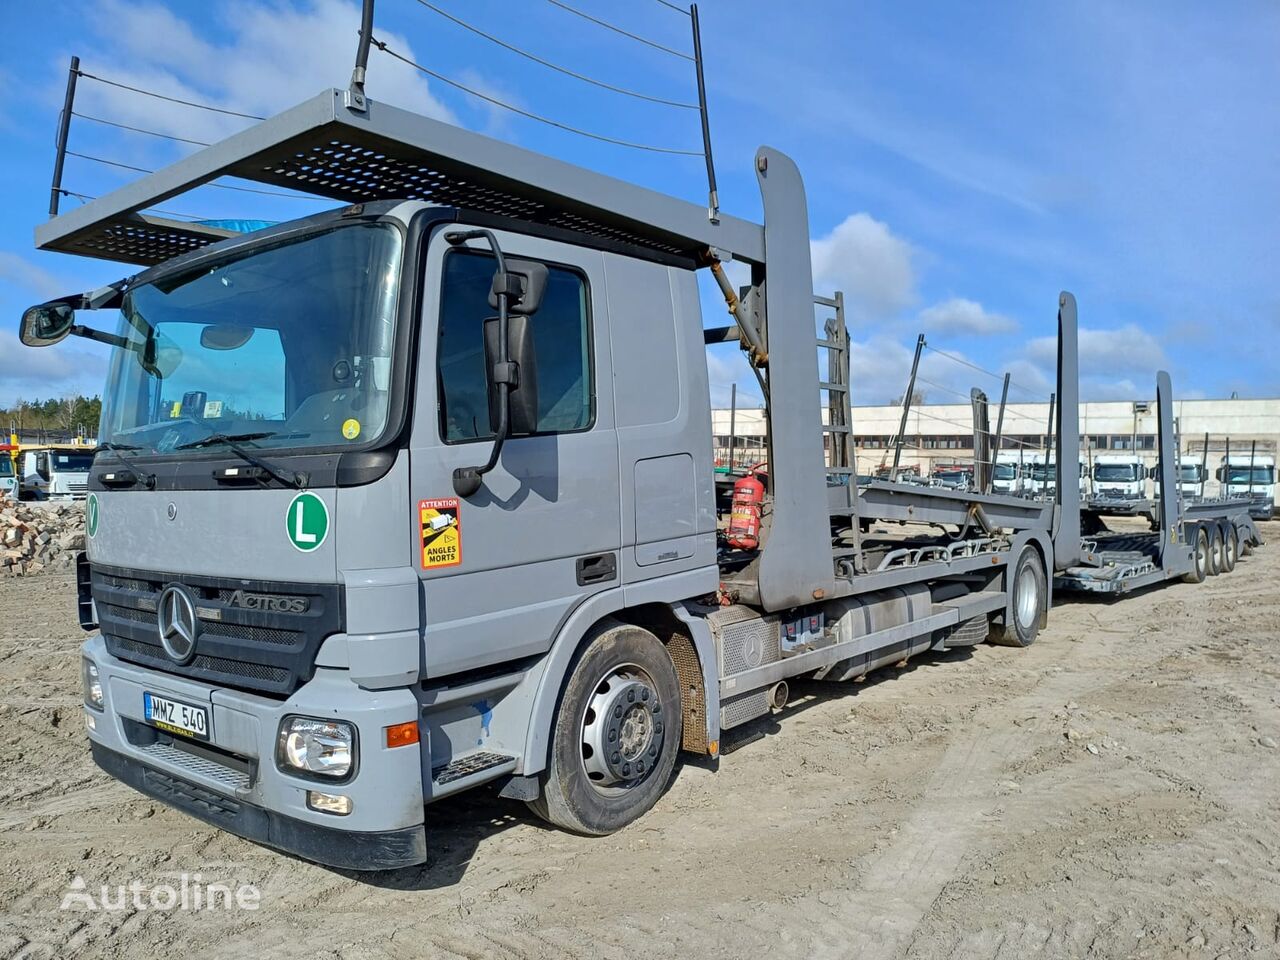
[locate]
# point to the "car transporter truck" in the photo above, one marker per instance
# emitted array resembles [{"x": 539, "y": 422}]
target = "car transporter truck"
[{"x": 417, "y": 494}]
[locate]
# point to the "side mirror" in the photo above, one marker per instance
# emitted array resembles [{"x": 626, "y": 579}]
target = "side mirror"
[
  {"x": 523, "y": 395},
  {"x": 46, "y": 324},
  {"x": 532, "y": 277}
]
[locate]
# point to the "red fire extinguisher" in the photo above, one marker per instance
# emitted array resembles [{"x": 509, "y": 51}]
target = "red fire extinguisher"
[{"x": 744, "y": 512}]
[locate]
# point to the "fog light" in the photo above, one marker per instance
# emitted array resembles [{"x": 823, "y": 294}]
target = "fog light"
[
  {"x": 334, "y": 803},
  {"x": 91, "y": 683},
  {"x": 90, "y": 722},
  {"x": 326, "y": 748}
]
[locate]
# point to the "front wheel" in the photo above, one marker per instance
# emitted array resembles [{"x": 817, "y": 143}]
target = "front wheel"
[
  {"x": 1029, "y": 589},
  {"x": 616, "y": 734}
]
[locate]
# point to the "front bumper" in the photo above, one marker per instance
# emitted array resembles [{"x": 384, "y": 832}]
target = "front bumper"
[
  {"x": 353, "y": 850},
  {"x": 237, "y": 785}
]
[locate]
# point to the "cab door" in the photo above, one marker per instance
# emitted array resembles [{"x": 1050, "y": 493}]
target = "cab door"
[{"x": 502, "y": 569}]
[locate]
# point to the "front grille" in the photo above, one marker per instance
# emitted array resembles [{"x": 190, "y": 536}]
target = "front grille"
[{"x": 250, "y": 649}]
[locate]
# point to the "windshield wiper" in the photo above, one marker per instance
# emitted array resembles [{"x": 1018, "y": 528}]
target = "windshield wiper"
[
  {"x": 289, "y": 478},
  {"x": 134, "y": 473}
]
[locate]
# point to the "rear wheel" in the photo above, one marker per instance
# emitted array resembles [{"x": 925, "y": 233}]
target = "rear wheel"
[
  {"x": 1214, "y": 559},
  {"x": 1199, "y": 557},
  {"x": 616, "y": 734},
  {"x": 1230, "y": 549},
  {"x": 1029, "y": 588}
]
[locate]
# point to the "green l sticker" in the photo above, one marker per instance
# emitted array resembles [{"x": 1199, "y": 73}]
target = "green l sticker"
[
  {"x": 307, "y": 521},
  {"x": 91, "y": 516}
]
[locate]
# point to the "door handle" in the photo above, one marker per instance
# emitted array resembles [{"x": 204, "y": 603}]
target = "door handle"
[{"x": 601, "y": 568}]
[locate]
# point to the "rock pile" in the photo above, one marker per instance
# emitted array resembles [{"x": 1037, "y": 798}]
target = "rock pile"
[{"x": 37, "y": 537}]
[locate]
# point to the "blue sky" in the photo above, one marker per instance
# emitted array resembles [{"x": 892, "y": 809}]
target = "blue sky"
[{"x": 963, "y": 162}]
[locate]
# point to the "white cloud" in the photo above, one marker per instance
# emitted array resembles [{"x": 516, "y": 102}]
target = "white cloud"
[
  {"x": 727, "y": 366},
  {"x": 961, "y": 316},
  {"x": 39, "y": 373},
  {"x": 278, "y": 55},
  {"x": 1127, "y": 350},
  {"x": 872, "y": 265}
]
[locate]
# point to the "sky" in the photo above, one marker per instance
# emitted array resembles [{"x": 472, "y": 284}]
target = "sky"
[{"x": 963, "y": 162}]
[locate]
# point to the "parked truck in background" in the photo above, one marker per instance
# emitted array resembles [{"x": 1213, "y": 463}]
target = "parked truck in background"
[
  {"x": 54, "y": 473},
  {"x": 8, "y": 479},
  {"x": 1010, "y": 473},
  {"x": 1119, "y": 476},
  {"x": 1252, "y": 476}
]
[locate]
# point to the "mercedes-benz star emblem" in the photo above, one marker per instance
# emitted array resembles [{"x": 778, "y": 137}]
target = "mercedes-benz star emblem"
[
  {"x": 176, "y": 616},
  {"x": 172, "y": 510}
]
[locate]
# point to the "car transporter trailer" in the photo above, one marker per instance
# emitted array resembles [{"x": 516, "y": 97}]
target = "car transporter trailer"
[{"x": 309, "y": 626}]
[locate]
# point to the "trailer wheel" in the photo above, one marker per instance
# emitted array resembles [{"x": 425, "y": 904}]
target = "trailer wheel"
[
  {"x": 616, "y": 735},
  {"x": 1230, "y": 548},
  {"x": 1214, "y": 559},
  {"x": 1199, "y": 558},
  {"x": 1029, "y": 589}
]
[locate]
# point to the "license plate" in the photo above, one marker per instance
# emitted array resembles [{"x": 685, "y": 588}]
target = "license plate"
[{"x": 174, "y": 716}]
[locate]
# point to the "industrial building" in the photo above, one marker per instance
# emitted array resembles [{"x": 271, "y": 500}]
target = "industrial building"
[{"x": 939, "y": 436}]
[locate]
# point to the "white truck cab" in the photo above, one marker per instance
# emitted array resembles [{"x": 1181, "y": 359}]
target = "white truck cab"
[
  {"x": 1119, "y": 476},
  {"x": 54, "y": 473},
  {"x": 1191, "y": 478},
  {"x": 8, "y": 481},
  {"x": 1251, "y": 476},
  {"x": 1010, "y": 473},
  {"x": 1041, "y": 476}
]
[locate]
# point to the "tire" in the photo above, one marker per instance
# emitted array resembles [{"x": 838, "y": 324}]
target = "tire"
[
  {"x": 1199, "y": 558},
  {"x": 1230, "y": 549},
  {"x": 1028, "y": 603},
  {"x": 622, "y": 688},
  {"x": 1214, "y": 559}
]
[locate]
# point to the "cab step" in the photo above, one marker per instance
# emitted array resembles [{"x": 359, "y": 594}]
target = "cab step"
[{"x": 471, "y": 768}]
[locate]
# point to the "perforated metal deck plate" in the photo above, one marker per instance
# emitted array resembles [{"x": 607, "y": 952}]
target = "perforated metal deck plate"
[{"x": 322, "y": 148}]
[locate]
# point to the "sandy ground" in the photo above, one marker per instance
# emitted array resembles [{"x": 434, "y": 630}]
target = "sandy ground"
[{"x": 1111, "y": 792}]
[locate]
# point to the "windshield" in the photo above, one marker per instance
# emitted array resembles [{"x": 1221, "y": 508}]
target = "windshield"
[
  {"x": 1261, "y": 475},
  {"x": 70, "y": 462},
  {"x": 1115, "y": 472},
  {"x": 1005, "y": 471},
  {"x": 1189, "y": 473},
  {"x": 294, "y": 341},
  {"x": 6, "y": 465}
]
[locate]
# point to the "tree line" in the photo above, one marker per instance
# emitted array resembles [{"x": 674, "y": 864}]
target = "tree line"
[{"x": 63, "y": 415}]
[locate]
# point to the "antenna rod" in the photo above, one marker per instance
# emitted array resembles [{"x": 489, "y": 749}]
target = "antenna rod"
[
  {"x": 64, "y": 127},
  {"x": 362, "y": 56},
  {"x": 713, "y": 195},
  {"x": 1004, "y": 398}
]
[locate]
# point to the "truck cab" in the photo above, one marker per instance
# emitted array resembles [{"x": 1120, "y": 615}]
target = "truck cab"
[
  {"x": 1191, "y": 480},
  {"x": 1242, "y": 475},
  {"x": 8, "y": 479},
  {"x": 1009, "y": 474},
  {"x": 1119, "y": 477},
  {"x": 54, "y": 473}
]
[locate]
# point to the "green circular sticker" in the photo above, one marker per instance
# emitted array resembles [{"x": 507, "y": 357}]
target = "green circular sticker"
[
  {"x": 91, "y": 516},
  {"x": 306, "y": 521}
]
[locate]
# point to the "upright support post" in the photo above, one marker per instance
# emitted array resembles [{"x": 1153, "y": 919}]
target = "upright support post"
[
  {"x": 1224, "y": 485},
  {"x": 355, "y": 94},
  {"x": 1066, "y": 521},
  {"x": 1166, "y": 478},
  {"x": 982, "y": 465},
  {"x": 1004, "y": 398},
  {"x": 906, "y": 408},
  {"x": 1253, "y": 451},
  {"x": 713, "y": 196},
  {"x": 64, "y": 128},
  {"x": 733, "y": 415},
  {"x": 1204, "y": 468},
  {"x": 1048, "y": 440}
]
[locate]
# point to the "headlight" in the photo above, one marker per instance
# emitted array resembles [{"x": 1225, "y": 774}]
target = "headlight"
[
  {"x": 91, "y": 683},
  {"x": 324, "y": 747}
]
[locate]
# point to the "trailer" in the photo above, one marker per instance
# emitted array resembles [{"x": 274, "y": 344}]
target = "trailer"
[
  {"x": 471, "y": 538},
  {"x": 1190, "y": 539}
]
